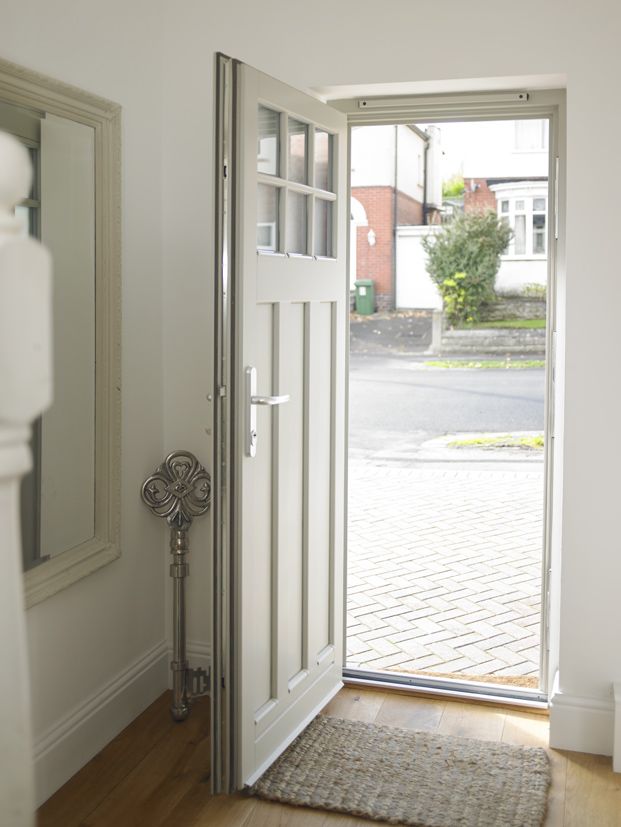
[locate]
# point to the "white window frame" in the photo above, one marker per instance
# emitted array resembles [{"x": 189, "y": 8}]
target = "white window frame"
[{"x": 527, "y": 192}]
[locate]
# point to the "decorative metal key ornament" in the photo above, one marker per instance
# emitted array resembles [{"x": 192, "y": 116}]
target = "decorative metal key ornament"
[{"x": 179, "y": 491}]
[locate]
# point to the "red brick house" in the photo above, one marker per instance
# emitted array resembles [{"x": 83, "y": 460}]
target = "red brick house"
[{"x": 395, "y": 182}]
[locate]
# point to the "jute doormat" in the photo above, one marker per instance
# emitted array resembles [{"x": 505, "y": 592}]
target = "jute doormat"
[{"x": 417, "y": 778}]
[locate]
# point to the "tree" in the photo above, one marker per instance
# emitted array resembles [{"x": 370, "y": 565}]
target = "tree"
[
  {"x": 454, "y": 187},
  {"x": 463, "y": 261}
]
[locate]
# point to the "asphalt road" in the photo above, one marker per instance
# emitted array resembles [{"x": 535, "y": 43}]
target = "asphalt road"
[{"x": 397, "y": 401}]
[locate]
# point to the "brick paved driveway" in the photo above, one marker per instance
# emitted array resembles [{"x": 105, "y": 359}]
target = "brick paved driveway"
[{"x": 445, "y": 569}]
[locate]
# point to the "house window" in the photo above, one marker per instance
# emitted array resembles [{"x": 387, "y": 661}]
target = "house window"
[
  {"x": 531, "y": 136},
  {"x": 519, "y": 238},
  {"x": 527, "y": 219},
  {"x": 539, "y": 226}
]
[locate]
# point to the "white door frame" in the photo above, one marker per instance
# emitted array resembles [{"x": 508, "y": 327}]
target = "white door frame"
[{"x": 481, "y": 106}]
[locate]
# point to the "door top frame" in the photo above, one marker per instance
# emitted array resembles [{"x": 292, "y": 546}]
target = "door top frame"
[{"x": 477, "y": 106}]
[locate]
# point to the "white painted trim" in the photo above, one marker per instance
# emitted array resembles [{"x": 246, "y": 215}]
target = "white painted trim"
[
  {"x": 66, "y": 568},
  {"x": 26, "y": 88},
  {"x": 199, "y": 650},
  {"x": 292, "y": 736},
  {"x": 616, "y": 747},
  {"x": 74, "y": 739},
  {"x": 581, "y": 724},
  {"x": 548, "y": 103}
]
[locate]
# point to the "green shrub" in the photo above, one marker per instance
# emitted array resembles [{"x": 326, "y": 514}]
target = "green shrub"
[
  {"x": 463, "y": 261},
  {"x": 534, "y": 290},
  {"x": 454, "y": 187}
]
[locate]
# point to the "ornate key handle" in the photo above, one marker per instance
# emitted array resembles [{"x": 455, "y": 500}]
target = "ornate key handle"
[{"x": 179, "y": 490}]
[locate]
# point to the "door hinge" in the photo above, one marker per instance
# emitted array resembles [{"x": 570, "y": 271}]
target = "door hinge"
[
  {"x": 547, "y": 611},
  {"x": 552, "y": 400},
  {"x": 222, "y": 391},
  {"x": 556, "y": 172}
]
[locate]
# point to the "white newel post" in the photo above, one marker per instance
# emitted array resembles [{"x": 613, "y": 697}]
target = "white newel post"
[{"x": 25, "y": 392}]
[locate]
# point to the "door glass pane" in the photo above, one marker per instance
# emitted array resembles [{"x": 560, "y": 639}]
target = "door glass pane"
[
  {"x": 520, "y": 235},
  {"x": 296, "y": 222},
  {"x": 323, "y": 160},
  {"x": 268, "y": 148},
  {"x": 323, "y": 228},
  {"x": 267, "y": 217},
  {"x": 539, "y": 233},
  {"x": 298, "y": 132}
]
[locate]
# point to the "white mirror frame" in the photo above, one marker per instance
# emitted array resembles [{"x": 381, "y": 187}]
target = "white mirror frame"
[{"x": 25, "y": 88}]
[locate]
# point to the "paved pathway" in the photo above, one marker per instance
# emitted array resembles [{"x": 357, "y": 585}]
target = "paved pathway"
[{"x": 445, "y": 569}]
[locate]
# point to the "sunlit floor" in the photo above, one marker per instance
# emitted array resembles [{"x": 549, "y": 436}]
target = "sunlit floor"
[{"x": 156, "y": 773}]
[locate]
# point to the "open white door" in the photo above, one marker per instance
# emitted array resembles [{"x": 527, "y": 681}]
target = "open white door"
[{"x": 289, "y": 310}]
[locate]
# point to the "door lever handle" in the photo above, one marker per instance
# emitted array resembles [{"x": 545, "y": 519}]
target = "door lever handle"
[
  {"x": 269, "y": 400},
  {"x": 252, "y": 400}
]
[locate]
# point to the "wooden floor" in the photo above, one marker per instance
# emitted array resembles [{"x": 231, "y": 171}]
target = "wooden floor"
[{"x": 156, "y": 773}]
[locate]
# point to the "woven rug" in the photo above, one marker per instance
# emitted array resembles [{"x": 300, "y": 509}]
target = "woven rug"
[{"x": 400, "y": 776}]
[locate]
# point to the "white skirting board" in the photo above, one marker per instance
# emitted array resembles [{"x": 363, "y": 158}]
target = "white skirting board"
[
  {"x": 616, "y": 748},
  {"x": 73, "y": 740},
  {"x": 581, "y": 724},
  {"x": 199, "y": 654}
]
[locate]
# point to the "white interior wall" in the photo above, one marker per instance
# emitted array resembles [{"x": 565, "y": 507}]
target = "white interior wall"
[
  {"x": 576, "y": 43},
  {"x": 97, "y": 649},
  {"x": 84, "y": 637}
]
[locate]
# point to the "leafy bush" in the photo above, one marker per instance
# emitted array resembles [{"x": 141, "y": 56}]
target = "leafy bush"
[
  {"x": 463, "y": 261},
  {"x": 454, "y": 187}
]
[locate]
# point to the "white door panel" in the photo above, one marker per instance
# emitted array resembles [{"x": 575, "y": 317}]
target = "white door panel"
[{"x": 289, "y": 498}]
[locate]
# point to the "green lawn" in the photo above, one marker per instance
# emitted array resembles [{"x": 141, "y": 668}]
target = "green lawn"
[
  {"x": 522, "y": 324},
  {"x": 506, "y": 441},
  {"x": 487, "y": 363}
]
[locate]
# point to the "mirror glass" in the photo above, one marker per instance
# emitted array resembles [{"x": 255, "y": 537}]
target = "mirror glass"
[{"x": 58, "y": 495}]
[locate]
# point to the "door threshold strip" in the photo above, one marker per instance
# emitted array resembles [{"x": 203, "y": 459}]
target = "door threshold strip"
[{"x": 488, "y": 693}]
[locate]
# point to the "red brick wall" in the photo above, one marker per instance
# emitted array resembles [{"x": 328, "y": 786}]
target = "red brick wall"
[
  {"x": 477, "y": 196},
  {"x": 409, "y": 211},
  {"x": 377, "y": 262}
]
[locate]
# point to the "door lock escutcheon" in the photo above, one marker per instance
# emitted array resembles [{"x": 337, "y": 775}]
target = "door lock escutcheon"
[{"x": 252, "y": 400}]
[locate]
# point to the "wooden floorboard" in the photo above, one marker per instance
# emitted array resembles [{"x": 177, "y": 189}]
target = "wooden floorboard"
[{"x": 156, "y": 772}]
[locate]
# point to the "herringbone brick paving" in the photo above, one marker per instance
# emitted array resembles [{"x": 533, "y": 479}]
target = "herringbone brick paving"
[{"x": 444, "y": 571}]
